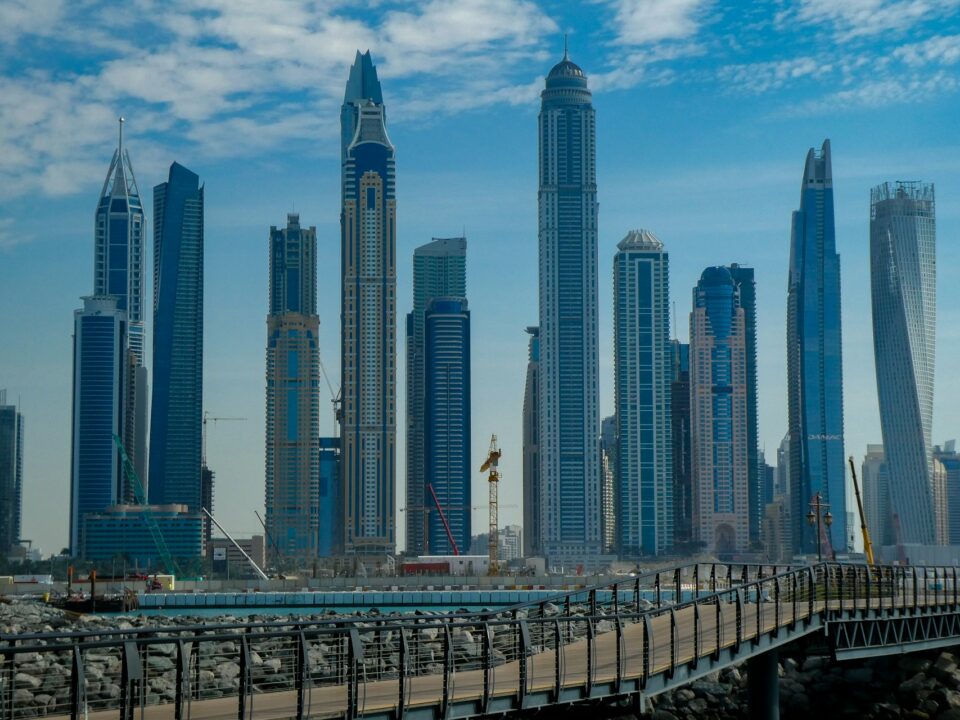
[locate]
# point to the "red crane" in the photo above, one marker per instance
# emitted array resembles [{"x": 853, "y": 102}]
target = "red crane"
[{"x": 443, "y": 519}]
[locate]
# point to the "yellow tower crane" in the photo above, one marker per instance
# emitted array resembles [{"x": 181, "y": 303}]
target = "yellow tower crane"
[
  {"x": 491, "y": 465},
  {"x": 867, "y": 544}
]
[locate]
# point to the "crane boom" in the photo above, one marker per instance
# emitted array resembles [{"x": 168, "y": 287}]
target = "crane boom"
[
  {"x": 867, "y": 544},
  {"x": 491, "y": 466},
  {"x": 155, "y": 533},
  {"x": 261, "y": 573},
  {"x": 443, "y": 519}
]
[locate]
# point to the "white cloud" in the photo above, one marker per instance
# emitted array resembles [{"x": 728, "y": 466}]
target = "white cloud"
[
  {"x": 862, "y": 18},
  {"x": 639, "y": 22},
  {"x": 237, "y": 77},
  {"x": 765, "y": 76},
  {"x": 12, "y": 234},
  {"x": 940, "y": 49},
  {"x": 883, "y": 92}
]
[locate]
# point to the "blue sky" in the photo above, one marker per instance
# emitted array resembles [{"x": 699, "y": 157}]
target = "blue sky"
[{"x": 705, "y": 111}]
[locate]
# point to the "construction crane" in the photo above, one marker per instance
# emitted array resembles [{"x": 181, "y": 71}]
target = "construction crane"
[
  {"x": 490, "y": 466},
  {"x": 867, "y": 544},
  {"x": 203, "y": 440},
  {"x": 257, "y": 568},
  {"x": 155, "y": 533}
]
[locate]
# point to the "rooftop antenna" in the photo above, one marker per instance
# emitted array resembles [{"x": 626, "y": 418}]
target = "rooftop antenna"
[
  {"x": 120, "y": 141},
  {"x": 565, "y": 46}
]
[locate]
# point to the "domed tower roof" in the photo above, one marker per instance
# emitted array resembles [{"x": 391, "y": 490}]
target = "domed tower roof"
[
  {"x": 566, "y": 83},
  {"x": 640, "y": 240},
  {"x": 566, "y": 68},
  {"x": 716, "y": 276}
]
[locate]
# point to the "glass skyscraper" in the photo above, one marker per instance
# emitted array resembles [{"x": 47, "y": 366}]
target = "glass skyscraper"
[
  {"x": 903, "y": 284},
  {"x": 569, "y": 397},
  {"x": 446, "y": 426},
  {"x": 11, "y": 474},
  {"x": 99, "y": 373},
  {"x": 439, "y": 270},
  {"x": 719, "y": 415},
  {"x": 641, "y": 303},
  {"x": 293, "y": 401},
  {"x": 118, "y": 271},
  {"x": 814, "y": 359},
  {"x": 368, "y": 315},
  {"x": 680, "y": 439},
  {"x": 331, "y": 499},
  {"x": 532, "y": 497},
  {"x": 175, "y": 426}
]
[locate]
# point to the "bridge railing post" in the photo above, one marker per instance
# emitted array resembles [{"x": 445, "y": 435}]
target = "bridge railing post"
[
  {"x": 776, "y": 604},
  {"x": 131, "y": 672},
  {"x": 522, "y": 675},
  {"x": 739, "y": 639},
  {"x": 447, "y": 670},
  {"x": 182, "y": 689},
  {"x": 673, "y": 643},
  {"x": 78, "y": 688},
  {"x": 657, "y": 591},
  {"x": 696, "y": 635},
  {"x": 618, "y": 625},
  {"x": 647, "y": 650},
  {"x": 955, "y": 595},
  {"x": 713, "y": 577},
  {"x": 916, "y": 592},
  {"x": 403, "y": 670},
  {"x": 245, "y": 688},
  {"x": 558, "y": 662},
  {"x": 351, "y": 670},
  {"x": 677, "y": 591}
]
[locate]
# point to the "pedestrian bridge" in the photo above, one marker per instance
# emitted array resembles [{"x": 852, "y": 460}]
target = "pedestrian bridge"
[{"x": 626, "y": 641}]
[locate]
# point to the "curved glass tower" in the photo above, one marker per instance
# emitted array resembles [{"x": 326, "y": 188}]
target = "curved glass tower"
[
  {"x": 814, "y": 359},
  {"x": 569, "y": 402},
  {"x": 368, "y": 316},
  {"x": 903, "y": 282}
]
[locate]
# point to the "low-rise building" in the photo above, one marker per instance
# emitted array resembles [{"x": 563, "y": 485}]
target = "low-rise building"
[{"x": 124, "y": 531}]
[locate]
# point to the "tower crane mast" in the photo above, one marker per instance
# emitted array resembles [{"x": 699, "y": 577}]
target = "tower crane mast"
[{"x": 491, "y": 466}]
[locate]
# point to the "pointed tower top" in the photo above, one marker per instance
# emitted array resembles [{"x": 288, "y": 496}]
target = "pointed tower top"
[
  {"x": 120, "y": 139},
  {"x": 565, "y": 56},
  {"x": 363, "y": 83}
]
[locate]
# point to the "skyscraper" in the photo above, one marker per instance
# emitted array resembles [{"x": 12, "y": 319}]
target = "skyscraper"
[
  {"x": 609, "y": 487},
  {"x": 11, "y": 474},
  {"x": 719, "y": 415},
  {"x": 682, "y": 462},
  {"x": 641, "y": 328},
  {"x": 569, "y": 396},
  {"x": 446, "y": 403},
  {"x": 118, "y": 271},
  {"x": 368, "y": 315},
  {"x": 532, "y": 497},
  {"x": 903, "y": 282},
  {"x": 875, "y": 488},
  {"x": 439, "y": 270},
  {"x": 293, "y": 401},
  {"x": 175, "y": 425},
  {"x": 814, "y": 359},
  {"x": 744, "y": 278},
  {"x": 950, "y": 459},
  {"x": 99, "y": 375},
  {"x": 331, "y": 499}
]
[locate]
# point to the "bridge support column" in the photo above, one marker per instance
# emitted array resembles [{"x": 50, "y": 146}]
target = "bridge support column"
[{"x": 763, "y": 686}]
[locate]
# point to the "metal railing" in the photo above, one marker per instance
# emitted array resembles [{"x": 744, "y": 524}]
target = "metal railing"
[{"x": 636, "y": 629}]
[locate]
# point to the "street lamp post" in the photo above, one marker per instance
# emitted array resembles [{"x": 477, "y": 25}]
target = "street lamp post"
[{"x": 814, "y": 518}]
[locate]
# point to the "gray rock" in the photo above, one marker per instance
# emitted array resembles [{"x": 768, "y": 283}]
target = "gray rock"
[
  {"x": 23, "y": 680},
  {"x": 110, "y": 690},
  {"x": 662, "y": 715},
  {"x": 704, "y": 688},
  {"x": 697, "y": 706},
  {"x": 230, "y": 670},
  {"x": 815, "y": 662},
  {"x": 43, "y": 700},
  {"x": 684, "y": 695},
  {"x": 159, "y": 663},
  {"x": 22, "y": 698},
  {"x": 271, "y": 666}
]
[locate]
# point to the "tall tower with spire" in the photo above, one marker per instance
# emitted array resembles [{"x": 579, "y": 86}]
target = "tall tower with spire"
[
  {"x": 368, "y": 316},
  {"x": 569, "y": 395},
  {"x": 814, "y": 359},
  {"x": 118, "y": 271}
]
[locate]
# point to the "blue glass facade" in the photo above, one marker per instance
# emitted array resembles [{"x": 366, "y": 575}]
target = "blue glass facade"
[
  {"x": 368, "y": 316},
  {"x": 903, "y": 284},
  {"x": 641, "y": 291},
  {"x": 175, "y": 427},
  {"x": 447, "y": 424},
  {"x": 569, "y": 395},
  {"x": 292, "y": 396},
  {"x": 439, "y": 270},
  {"x": 680, "y": 439},
  {"x": 814, "y": 359},
  {"x": 123, "y": 532},
  {"x": 11, "y": 474},
  {"x": 99, "y": 364},
  {"x": 331, "y": 498},
  {"x": 532, "y": 494}
]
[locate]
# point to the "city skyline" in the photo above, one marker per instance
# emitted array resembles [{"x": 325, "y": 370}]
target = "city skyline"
[{"x": 657, "y": 208}]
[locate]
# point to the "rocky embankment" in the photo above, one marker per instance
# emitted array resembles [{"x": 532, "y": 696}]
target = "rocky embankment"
[{"x": 920, "y": 686}]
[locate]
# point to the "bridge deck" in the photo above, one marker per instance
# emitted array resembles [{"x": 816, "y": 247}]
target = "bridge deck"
[{"x": 427, "y": 690}]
